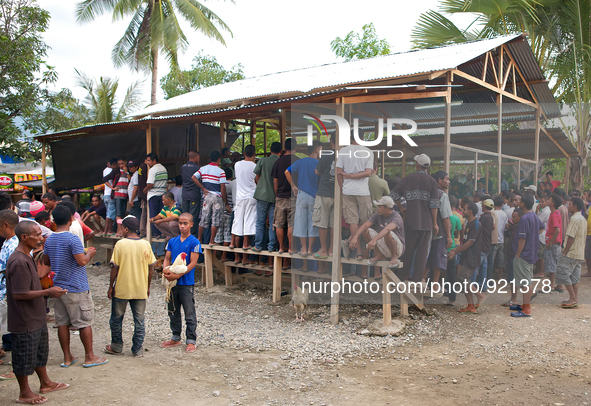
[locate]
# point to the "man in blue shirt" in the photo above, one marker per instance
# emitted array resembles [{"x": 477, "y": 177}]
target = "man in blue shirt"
[
  {"x": 182, "y": 295},
  {"x": 65, "y": 253},
  {"x": 304, "y": 170}
]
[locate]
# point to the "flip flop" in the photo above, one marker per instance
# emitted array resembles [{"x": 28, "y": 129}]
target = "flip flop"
[
  {"x": 520, "y": 314},
  {"x": 169, "y": 344},
  {"x": 59, "y": 386},
  {"x": 516, "y": 307},
  {"x": 108, "y": 350},
  {"x": 255, "y": 249},
  {"x": 569, "y": 305},
  {"x": 191, "y": 348},
  {"x": 509, "y": 303},
  {"x": 466, "y": 310},
  {"x": 36, "y": 401},
  {"x": 320, "y": 256},
  {"x": 8, "y": 376},
  {"x": 293, "y": 252},
  {"x": 370, "y": 262},
  {"x": 394, "y": 264},
  {"x": 70, "y": 364},
  {"x": 95, "y": 364}
]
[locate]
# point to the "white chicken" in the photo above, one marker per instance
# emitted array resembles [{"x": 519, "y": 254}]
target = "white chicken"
[
  {"x": 299, "y": 300},
  {"x": 179, "y": 266}
]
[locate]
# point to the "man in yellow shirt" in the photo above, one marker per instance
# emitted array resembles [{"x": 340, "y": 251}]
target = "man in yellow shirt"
[{"x": 131, "y": 274}]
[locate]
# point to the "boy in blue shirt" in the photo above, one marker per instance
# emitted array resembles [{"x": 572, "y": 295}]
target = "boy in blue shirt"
[{"x": 182, "y": 293}]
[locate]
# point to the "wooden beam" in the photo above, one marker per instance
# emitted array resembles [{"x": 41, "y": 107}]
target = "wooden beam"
[
  {"x": 391, "y": 97},
  {"x": 43, "y": 164},
  {"x": 493, "y": 88},
  {"x": 283, "y": 127},
  {"x": 447, "y": 128},
  {"x": 337, "y": 268},
  {"x": 567, "y": 176},
  {"x": 149, "y": 138},
  {"x": 475, "y": 173},
  {"x": 485, "y": 67},
  {"x": 386, "y": 298},
  {"x": 555, "y": 142},
  {"x": 492, "y": 63},
  {"x": 499, "y": 143},
  {"x": 265, "y": 137},
  {"x": 222, "y": 132},
  {"x": 197, "y": 137},
  {"x": 537, "y": 145}
]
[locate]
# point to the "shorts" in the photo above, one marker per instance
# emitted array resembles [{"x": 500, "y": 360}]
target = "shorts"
[
  {"x": 541, "y": 251},
  {"x": 381, "y": 244},
  {"x": 463, "y": 273},
  {"x": 110, "y": 205},
  {"x": 497, "y": 255},
  {"x": 245, "y": 217},
  {"x": 568, "y": 271},
  {"x": 551, "y": 258},
  {"x": 120, "y": 207},
  {"x": 588, "y": 247},
  {"x": 76, "y": 309},
  {"x": 356, "y": 209},
  {"x": 323, "y": 212},
  {"x": 523, "y": 272},
  {"x": 304, "y": 212},
  {"x": 3, "y": 317},
  {"x": 284, "y": 212},
  {"x": 224, "y": 233},
  {"x": 30, "y": 351},
  {"x": 212, "y": 210},
  {"x": 100, "y": 225},
  {"x": 437, "y": 258}
]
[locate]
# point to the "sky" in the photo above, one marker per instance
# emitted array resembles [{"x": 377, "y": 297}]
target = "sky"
[{"x": 268, "y": 36}]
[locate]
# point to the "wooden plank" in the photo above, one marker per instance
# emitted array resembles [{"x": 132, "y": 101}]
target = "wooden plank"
[
  {"x": 396, "y": 281},
  {"x": 493, "y": 88},
  {"x": 389, "y": 97},
  {"x": 283, "y": 132},
  {"x": 475, "y": 173},
  {"x": 265, "y": 137},
  {"x": 492, "y": 63},
  {"x": 537, "y": 146},
  {"x": 228, "y": 275},
  {"x": 485, "y": 68},
  {"x": 197, "y": 147},
  {"x": 149, "y": 138},
  {"x": 567, "y": 175},
  {"x": 277, "y": 264},
  {"x": 509, "y": 69},
  {"x": 208, "y": 269},
  {"x": 387, "y": 298},
  {"x": 447, "y": 129},
  {"x": 43, "y": 164},
  {"x": 499, "y": 143},
  {"x": 222, "y": 133}
]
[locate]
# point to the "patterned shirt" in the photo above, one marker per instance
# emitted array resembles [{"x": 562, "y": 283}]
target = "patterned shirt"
[
  {"x": 157, "y": 176},
  {"x": 61, "y": 248},
  {"x": 170, "y": 212},
  {"x": 421, "y": 193},
  {"x": 577, "y": 229},
  {"x": 122, "y": 184},
  {"x": 212, "y": 177},
  {"x": 7, "y": 248}
]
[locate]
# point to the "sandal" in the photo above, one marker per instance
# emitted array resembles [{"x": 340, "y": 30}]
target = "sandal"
[
  {"x": 57, "y": 387},
  {"x": 467, "y": 310},
  {"x": 394, "y": 264},
  {"x": 109, "y": 350}
]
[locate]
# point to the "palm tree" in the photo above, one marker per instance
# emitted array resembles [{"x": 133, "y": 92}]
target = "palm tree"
[
  {"x": 101, "y": 99},
  {"x": 153, "y": 28},
  {"x": 559, "y": 33}
]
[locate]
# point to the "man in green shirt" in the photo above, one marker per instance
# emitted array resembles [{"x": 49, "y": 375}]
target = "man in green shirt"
[
  {"x": 378, "y": 187},
  {"x": 456, "y": 227},
  {"x": 265, "y": 197}
]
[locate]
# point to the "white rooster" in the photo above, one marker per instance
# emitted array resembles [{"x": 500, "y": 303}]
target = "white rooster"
[
  {"x": 179, "y": 266},
  {"x": 299, "y": 300}
]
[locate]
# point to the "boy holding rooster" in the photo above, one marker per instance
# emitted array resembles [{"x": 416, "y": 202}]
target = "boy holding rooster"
[{"x": 184, "y": 250}]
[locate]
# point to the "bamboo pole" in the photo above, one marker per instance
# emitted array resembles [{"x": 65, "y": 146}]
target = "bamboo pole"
[{"x": 43, "y": 163}]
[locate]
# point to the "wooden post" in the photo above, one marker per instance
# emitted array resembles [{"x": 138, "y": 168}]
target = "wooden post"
[
  {"x": 157, "y": 146},
  {"x": 43, "y": 164},
  {"x": 253, "y": 131},
  {"x": 518, "y": 174},
  {"x": 387, "y": 298},
  {"x": 149, "y": 138},
  {"x": 499, "y": 144},
  {"x": 197, "y": 137},
  {"x": 277, "y": 264},
  {"x": 384, "y": 164},
  {"x": 567, "y": 173},
  {"x": 265, "y": 137},
  {"x": 283, "y": 134},
  {"x": 487, "y": 166},
  {"x": 337, "y": 269},
  {"x": 208, "y": 268},
  {"x": 447, "y": 131},
  {"x": 475, "y": 185},
  {"x": 403, "y": 162},
  {"x": 222, "y": 130},
  {"x": 537, "y": 146},
  {"x": 148, "y": 150}
]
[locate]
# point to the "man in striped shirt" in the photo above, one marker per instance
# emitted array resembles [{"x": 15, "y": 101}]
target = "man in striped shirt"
[
  {"x": 121, "y": 195},
  {"x": 155, "y": 187},
  {"x": 212, "y": 180}
]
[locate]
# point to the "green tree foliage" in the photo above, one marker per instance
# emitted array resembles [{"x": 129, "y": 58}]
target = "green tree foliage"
[
  {"x": 59, "y": 112},
  {"x": 355, "y": 46},
  {"x": 101, "y": 99},
  {"x": 205, "y": 71},
  {"x": 153, "y": 28},
  {"x": 23, "y": 71}
]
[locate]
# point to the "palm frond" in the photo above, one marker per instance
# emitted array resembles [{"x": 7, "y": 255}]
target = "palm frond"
[
  {"x": 89, "y": 10},
  {"x": 202, "y": 19},
  {"x": 132, "y": 100},
  {"x": 434, "y": 29},
  {"x": 123, "y": 8}
]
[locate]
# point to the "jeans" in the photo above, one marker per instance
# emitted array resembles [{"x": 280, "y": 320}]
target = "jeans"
[
  {"x": 265, "y": 210},
  {"x": 480, "y": 275},
  {"x": 110, "y": 205},
  {"x": 304, "y": 213},
  {"x": 138, "y": 309},
  {"x": 193, "y": 207},
  {"x": 155, "y": 205},
  {"x": 136, "y": 210},
  {"x": 182, "y": 295}
]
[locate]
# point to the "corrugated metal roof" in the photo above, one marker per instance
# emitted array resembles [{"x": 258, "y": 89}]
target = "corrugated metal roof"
[{"x": 302, "y": 81}]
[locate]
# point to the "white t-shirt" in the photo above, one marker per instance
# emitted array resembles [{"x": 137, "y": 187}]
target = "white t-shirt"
[
  {"x": 230, "y": 192},
  {"x": 354, "y": 159},
  {"x": 157, "y": 176},
  {"x": 245, "y": 180},
  {"x": 544, "y": 216},
  {"x": 107, "y": 171},
  {"x": 76, "y": 229},
  {"x": 479, "y": 205},
  {"x": 132, "y": 183},
  {"x": 501, "y": 223}
]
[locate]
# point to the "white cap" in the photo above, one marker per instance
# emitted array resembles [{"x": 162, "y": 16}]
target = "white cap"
[
  {"x": 384, "y": 201},
  {"x": 423, "y": 160},
  {"x": 532, "y": 187}
]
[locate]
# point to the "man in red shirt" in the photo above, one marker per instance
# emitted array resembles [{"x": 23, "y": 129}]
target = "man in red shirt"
[{"x": 553, "y": 237}]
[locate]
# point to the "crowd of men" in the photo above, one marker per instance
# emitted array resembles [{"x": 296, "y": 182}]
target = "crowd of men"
[{"x": 283, "y": 203}]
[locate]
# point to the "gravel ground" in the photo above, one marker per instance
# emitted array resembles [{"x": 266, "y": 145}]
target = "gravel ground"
[{"x": 252, "y": 352}]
